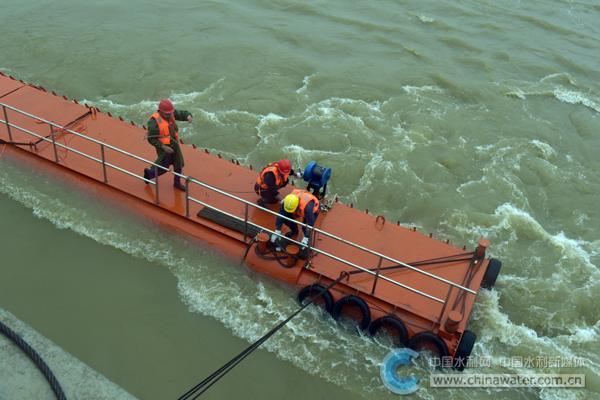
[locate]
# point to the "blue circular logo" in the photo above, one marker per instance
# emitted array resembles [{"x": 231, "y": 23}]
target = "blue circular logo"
[{"x": 389, "y": 371}]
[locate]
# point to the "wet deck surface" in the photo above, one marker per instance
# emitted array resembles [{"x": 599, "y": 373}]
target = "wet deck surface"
[{"x": 341, "y": 220}]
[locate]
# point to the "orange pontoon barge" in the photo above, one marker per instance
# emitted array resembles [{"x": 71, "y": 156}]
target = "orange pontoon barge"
[{"x": 421, "y": 290}]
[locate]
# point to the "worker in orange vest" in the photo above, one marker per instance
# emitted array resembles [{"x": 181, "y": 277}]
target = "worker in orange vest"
[
  {"x": 300, "y": 204},
  {"x": 272, "y": 178},
  {"x": 163, "y": 134}
]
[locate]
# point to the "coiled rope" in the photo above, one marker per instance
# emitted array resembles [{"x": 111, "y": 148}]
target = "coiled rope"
[{"x": 37, "y": 360}]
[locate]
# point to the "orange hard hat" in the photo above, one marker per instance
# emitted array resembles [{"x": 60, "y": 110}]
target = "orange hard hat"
[
  {"x": 285, "y": 166},
  {"x": 165, "y": 106}
]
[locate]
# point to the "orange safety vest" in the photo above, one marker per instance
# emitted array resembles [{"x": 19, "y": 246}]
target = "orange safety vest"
[
  {"x": 164, "y": 129},
  {"x": 305, "y": 198},
  {"x": 280, "y": 178}
]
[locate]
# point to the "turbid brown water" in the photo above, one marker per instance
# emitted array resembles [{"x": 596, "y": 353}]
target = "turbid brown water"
[{"x": 464, "y": 118}]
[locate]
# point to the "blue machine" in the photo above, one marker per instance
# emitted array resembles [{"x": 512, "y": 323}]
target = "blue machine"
[{"x": 317, "y": 178}]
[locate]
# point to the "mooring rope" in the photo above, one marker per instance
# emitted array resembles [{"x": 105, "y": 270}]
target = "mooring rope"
[{"x": 213, "y": 378}]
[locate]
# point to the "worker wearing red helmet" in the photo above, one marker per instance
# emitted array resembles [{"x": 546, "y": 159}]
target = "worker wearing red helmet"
[
  {"x": 163, "y": 134},
  {"x": 272, "y": 178}
]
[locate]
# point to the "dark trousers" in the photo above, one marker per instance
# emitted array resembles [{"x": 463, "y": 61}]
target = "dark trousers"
[
  {"x": 268, "y": 196},
  {"x": 165, "y": 160},
  {"x": 294, "y": 226}
]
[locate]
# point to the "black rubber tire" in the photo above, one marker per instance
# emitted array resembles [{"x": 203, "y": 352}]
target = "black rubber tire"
[
  {"x": 400, "y": 334},
  {"x": 313, "y": 290},
  {"x": 429, "y": 341},
  {"x": 491, "y": 274},
  {"x": 357, "y": 302},
  {"x": 463, "y": 352}
]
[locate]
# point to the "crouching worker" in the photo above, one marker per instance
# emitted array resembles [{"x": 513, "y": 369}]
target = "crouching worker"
[
  {"x": 163, "y": 134},
  {"x": 272, "y": 178},
  {"x": 299, "y": 204}
]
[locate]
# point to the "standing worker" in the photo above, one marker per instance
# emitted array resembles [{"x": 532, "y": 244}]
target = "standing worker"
[
  {"x": 300, "y": 204},
  {"x": 163, "y": 134},
  {"x": 272, "y": 178}
]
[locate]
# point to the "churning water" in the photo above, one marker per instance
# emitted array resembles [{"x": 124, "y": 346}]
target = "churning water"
[{"x": 467, "y": 119}]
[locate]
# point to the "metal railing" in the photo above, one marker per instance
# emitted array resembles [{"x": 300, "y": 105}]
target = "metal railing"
[{"x": 51, "y": 138}]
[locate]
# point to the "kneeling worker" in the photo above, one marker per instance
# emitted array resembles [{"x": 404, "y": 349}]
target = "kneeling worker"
[
  {"x": 272, "y": 178},
  {"x": 163, "y": 134},
  {"x": 299, "y": 204}
]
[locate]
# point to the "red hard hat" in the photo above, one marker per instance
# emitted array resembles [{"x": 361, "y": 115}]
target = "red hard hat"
[
  {"x": 284, "y": 166},
  {"x": 165, "y": 106}
]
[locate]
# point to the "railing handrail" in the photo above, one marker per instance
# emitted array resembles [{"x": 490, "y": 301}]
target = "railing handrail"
[{"x": 239, "y": 199}]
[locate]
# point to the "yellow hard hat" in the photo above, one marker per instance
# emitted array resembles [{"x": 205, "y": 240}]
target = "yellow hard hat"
[{"x": 290, "y": 203}]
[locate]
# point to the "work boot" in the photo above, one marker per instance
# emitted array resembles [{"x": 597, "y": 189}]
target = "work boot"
[{"x": 177, "y": 184}]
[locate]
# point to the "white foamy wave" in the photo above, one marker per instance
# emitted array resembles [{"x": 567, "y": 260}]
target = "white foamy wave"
[
  {"x": 144, "y": 107},
  {"x": 522, "y": 90},
  {"x": 584, "y": 334},
  {"x": 425, "y": 19},
  {"x": 546, "y": 150},
  {"x": 497, "y": 331},
  {"x": 179, "y": 98},
  {"x": 348, "y": 107},
  {"x": 299, "y": 150},
  {"x": 518, "y": 93},
  {"x": 573, "y": 97},
  {"x": 375, "y": 168},
  {"x": 513, "y": 218},
  {"x": 272, "y": 122},
  {"x": 560, "y": 75},
  {"x": 270, "y": 119},
  {"x": 421, "y": 89},
  {"x": 305, "y": 83}
]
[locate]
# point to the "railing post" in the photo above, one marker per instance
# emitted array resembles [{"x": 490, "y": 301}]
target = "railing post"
[
  {"x": 310, "y": 235},
  {"x": 156, "y": 185},
  {"x": 53, "y": 143},
  {"x": 377, "y": 275},
  {"x": 187, "y": 196},
  {"x": 103, "y": 163},
  {"x": 7, "y": 123},
  {"x": 245, "y": 222}
]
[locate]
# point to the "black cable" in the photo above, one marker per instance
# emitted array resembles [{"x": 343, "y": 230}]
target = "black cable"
[
  {"x": 16, "y": 143},
  {"x": 213, "y": 378},
  {"x": 37, "y": 360},
  {"x": 466, "y": 283},
  {"x": 276, "y": 257},
  {"x": 250, "y": 243}
]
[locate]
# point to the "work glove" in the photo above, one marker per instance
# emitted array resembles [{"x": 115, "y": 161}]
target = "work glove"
[
  {"x": 274, "y": 236},
  {"x": 304, "y": 242}
]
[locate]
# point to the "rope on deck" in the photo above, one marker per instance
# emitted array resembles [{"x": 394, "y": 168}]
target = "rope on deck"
[{"x": 37, "y": 360}]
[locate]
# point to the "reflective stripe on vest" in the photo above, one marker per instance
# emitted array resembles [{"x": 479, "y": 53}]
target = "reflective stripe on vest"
[
  {"x": 279, "y": 177},
  {"x": 305, "y": 198},
  {"x": 164, "y": 132}
]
